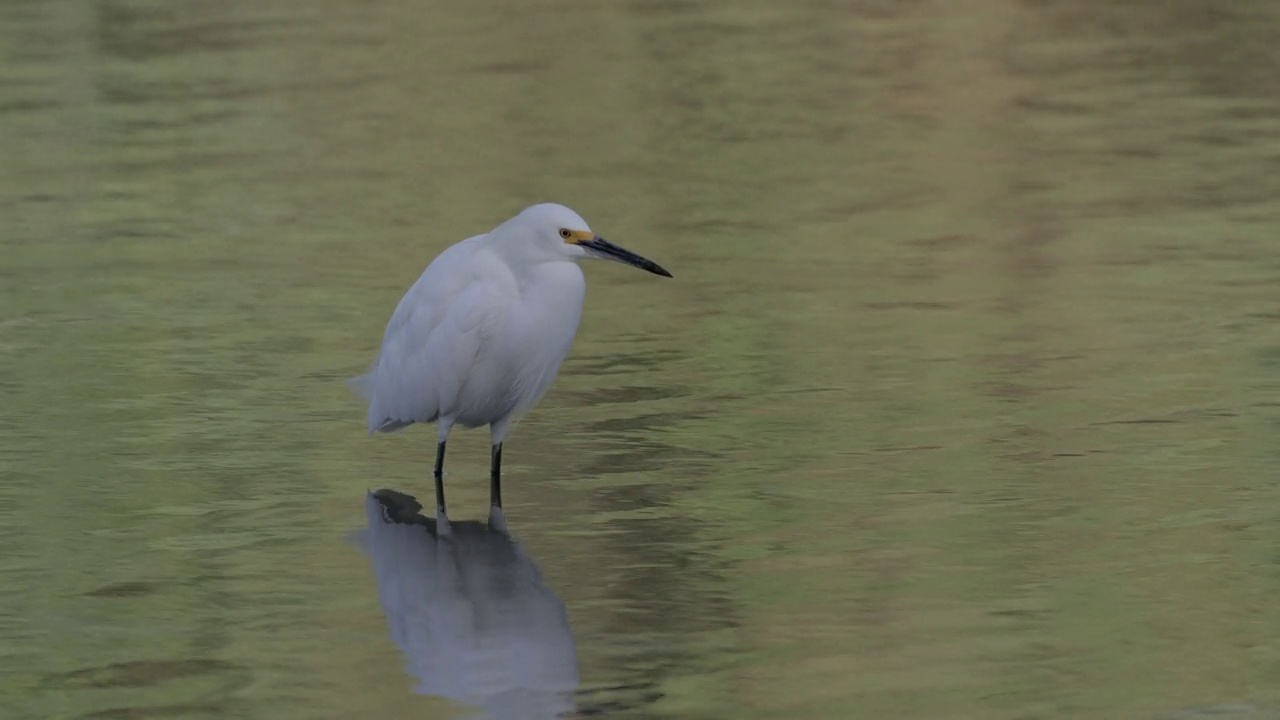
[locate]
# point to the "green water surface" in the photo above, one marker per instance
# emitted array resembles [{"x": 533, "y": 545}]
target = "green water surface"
[{"x": 962, "y": 404}]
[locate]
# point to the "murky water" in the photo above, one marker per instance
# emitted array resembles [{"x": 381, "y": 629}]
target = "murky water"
[{"x": 963, "y": 402}]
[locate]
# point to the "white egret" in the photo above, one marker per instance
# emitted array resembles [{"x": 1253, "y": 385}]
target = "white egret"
[{"x": 480, "y": 336}]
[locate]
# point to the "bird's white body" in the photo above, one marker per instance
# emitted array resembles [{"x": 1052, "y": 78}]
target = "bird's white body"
[
  {"x": 477, "y": 340},
  {"x": 480, "y": 336}
]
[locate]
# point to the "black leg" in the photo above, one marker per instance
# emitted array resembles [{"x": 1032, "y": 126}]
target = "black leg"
[
  {"x": 495, "y": 476},
  {"x": 439, "y": 474}
]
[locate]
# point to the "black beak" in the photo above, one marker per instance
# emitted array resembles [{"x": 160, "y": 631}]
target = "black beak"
[{"x": 602, "y": 248}]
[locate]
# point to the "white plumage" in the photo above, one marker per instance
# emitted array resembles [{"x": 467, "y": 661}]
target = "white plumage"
[{"x": 479, "y": 338}]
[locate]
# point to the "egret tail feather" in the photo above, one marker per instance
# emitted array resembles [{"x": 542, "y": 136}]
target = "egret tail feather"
[
  {"x": 361, "y": 385},
  {"x": 390, "y": 425}
]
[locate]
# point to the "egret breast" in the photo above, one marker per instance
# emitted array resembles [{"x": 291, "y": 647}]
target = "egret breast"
[{"x": 517, "y": 364}]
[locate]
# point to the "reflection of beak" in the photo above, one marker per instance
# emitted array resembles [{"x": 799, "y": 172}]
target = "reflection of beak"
[{"x": 602, "y": 248}]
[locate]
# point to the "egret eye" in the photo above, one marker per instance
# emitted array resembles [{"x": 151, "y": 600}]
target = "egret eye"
[{"x": 565, "y": 234}]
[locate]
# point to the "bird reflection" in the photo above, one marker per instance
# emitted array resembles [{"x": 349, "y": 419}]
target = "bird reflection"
[{"x": 470, "y": 612}]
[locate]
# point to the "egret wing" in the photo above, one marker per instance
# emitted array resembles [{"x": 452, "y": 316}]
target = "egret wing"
[{"x": 403, "y": 384}]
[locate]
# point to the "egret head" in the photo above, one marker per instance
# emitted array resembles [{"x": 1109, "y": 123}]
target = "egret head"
[{"x": 563, "y": 232}]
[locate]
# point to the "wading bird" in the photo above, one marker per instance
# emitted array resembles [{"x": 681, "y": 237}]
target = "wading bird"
[{"x": 480, "y": 336}]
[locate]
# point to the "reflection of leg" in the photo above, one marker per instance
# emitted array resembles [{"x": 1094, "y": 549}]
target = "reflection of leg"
[
  {"x": 495, "y": 477},
  {"x": 439, "y": 475}
]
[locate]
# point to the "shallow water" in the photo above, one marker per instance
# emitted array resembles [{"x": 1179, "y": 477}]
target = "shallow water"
[{"x": 962, "y": 403}]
